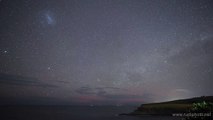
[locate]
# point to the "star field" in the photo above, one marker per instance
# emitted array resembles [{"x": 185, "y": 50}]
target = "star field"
[{"x": 105, "y": 52}]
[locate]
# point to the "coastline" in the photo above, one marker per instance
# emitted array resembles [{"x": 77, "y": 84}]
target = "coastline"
[{"x": 168, "y": 108}]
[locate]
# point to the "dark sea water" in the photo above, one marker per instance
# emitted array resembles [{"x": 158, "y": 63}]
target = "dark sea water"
[{"x": 71, "y": 113}]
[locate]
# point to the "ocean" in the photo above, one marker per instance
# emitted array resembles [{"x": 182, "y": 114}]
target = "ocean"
[{"x": 72, "y": 113}]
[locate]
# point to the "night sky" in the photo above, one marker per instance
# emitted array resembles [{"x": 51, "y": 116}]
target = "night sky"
[{"x": 84, "y": 52}]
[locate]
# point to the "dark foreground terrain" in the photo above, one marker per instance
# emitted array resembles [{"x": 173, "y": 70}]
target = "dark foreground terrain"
[{"x": 171, "y": 107}]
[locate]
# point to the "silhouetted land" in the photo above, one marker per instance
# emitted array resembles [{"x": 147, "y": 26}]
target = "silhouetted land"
[{"x": 169, "y": 108}]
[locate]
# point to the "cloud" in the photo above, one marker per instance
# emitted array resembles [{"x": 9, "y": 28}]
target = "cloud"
[
  {"x": 33, "y": 100},
  {"x": 122, "y": 96},
  {"x": 22, "y": 81},
  {"x": 146, "y": 97},
  {"x": 182, "y": 90},
  {"x": 110, "y": 94},
  {"x": 86, "y": 90},
  {"x": 62, "y": 82}
]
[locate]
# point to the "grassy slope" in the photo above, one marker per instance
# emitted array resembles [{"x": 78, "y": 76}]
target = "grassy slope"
[{"x": 167, "y": 108}]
